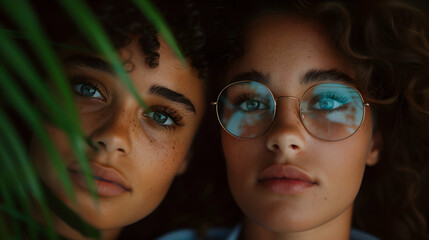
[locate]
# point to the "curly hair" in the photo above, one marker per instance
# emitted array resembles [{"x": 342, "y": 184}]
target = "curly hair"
[
  {"x": 387, "y": 43},
  {"x": 123, "y": 20},
  {"x": 394, "y": 190}
]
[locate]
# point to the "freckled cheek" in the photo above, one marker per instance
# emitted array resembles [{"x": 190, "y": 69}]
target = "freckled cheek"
[
  {"x": 174, "y": 154},
  {"x": 165, "y": 156}
]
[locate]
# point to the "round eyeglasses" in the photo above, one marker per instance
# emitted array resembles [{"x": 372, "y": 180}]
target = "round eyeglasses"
[{"x": 329, "y": 111}]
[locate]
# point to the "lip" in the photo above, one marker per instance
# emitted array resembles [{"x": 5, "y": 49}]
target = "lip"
[
  {"x": 108, "y": 181},
  {"x": 285, "y": 179}
]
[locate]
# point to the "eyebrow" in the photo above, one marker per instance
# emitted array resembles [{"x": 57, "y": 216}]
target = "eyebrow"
[
  {"x": 328, "y": 75},
  {"x": 172, "y": 96},
  {"x": 92, "y": 62},
  {"x": 252, "y": 76}
]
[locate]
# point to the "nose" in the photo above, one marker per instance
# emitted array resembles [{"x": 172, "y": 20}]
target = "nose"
[
  {"x": 113, "y": 133},
  {"x": 287, "y": 133}
]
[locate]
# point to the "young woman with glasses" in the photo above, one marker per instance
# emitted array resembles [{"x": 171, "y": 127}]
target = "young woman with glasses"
[
  {"x": 306, "y": 112},
  {"x": 324, "y": 131}
]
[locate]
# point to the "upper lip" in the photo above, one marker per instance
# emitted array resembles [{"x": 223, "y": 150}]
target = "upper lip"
[
  {"x": 103, "y": 173},
  {"x": 285, "y": 171}
]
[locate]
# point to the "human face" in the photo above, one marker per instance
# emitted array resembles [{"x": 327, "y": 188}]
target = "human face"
[
  {"x": 139, "y": 152},
  {"x": 286, "y": 180}
]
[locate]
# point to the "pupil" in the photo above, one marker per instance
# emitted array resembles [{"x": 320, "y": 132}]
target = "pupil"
[
  {"x": 252, "y": 105},
  {"x": 87, "y": 90},
  {"x": 326, "y": 104},
  {"x": 159, "y": 117}
]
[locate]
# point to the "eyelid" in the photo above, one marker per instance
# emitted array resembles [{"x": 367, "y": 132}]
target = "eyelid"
[
  {"x": 170, "y": 112},
  {"x": 88, "y": 80}
]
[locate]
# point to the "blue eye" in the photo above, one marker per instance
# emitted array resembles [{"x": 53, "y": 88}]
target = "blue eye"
[
  {"x": 329, "y": 101},
  {"x": 87, "y": 90},
  {"x": 160, "y": 118},
  {"x": 252, "y": 105}
]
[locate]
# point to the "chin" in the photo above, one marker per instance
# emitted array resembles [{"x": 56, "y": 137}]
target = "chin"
[
  {"x": 104, "y": 215},
  {"x": 107, "y": 220}
]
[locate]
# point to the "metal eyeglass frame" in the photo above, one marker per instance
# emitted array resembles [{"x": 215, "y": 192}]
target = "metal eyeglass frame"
[{"x": 301, "y": 115}]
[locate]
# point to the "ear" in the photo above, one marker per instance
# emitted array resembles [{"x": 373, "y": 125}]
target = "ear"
[
  {"x": 184, "y": 165},
  {"x": 376, "y": 147}
]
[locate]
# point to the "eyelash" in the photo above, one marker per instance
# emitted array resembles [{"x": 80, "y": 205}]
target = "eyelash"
[
  {"x": 81, "y": 79},
  {"x": 171, "y": 113},
  {"x": 244, "y": 97}
]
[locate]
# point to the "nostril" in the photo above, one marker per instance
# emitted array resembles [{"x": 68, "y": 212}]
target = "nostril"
[{"x": 121, "y": 150}]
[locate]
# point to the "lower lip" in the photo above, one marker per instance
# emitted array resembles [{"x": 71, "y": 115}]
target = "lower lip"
[
  {"x": 286, "y": 186},
  {"x": 102, "y": 188}
]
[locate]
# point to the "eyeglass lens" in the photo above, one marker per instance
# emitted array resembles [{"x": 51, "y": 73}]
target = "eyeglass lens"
[{"x": 329, "y": 111}]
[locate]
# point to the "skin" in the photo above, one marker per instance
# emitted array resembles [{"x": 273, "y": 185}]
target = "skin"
[
  {"x": 283, "y": 49},
  {"x": 131, "y": 142}
]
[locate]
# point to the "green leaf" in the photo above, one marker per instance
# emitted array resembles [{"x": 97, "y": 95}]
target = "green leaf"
[
  {"x": 40, "y": 44},
  {"x": 70, "y": 217},
  {"x": 21, "y": 104},
  {"x": 3, "y": 230},
  {"x": 7, "y": 197},
  {"x": 33, "y": 119},
  {"x": 31, "y": 26},
  {"x": 24, "y": 69},
  {"x": 24, "y": 172}
]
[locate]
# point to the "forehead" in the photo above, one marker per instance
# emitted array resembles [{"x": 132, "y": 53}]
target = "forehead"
[
  {"x": 286, "y": 43},
  {"x": 171, "y": 72},
  {"x": 287, "y": 31}
]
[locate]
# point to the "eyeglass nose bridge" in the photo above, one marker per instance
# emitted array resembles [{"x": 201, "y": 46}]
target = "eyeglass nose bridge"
[
  {"x": 291, "y": 97},
  {"x": 300, "y": 115}
]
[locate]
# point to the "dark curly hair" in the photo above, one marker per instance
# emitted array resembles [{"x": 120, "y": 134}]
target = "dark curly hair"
[
  {"x": 123, "y": 20},
  {"x": 387, "y": 43}
]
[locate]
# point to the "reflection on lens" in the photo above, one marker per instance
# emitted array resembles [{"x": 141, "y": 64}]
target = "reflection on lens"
[
  {"x": 332, "y": 111},
  {"x": 329, "y": 111},
  {"x": 246, "y": 109}
]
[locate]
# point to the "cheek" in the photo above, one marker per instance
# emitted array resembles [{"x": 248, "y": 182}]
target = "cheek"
[
  {"x": 343, "y": 165},
  {"x": 154, "y": 170},
  {"x": 234, "y": 155},
  {"x": 158, "y": 162},
  {"x": 241, "y": 160},
  {"x": 41, "y": 157},
  {"x": 345, "y": 169},
  {"x": 162, "y": 156},
  {"x": 39, "y": 153}
]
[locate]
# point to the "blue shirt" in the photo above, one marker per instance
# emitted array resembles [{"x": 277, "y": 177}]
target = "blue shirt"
[{"x": 233, "y": 234}]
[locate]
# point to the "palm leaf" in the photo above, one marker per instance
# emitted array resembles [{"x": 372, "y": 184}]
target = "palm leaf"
[{"x": 41, "y": 47}]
